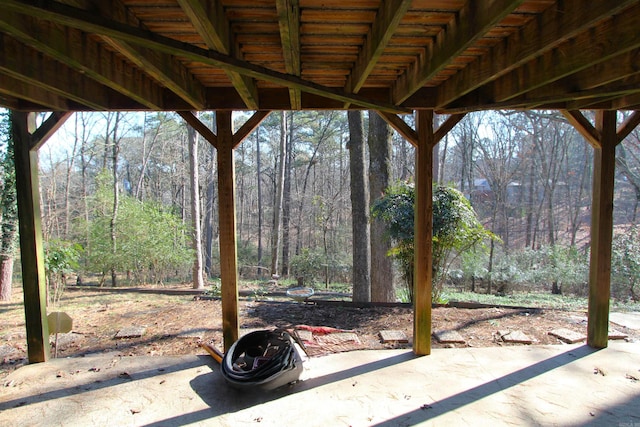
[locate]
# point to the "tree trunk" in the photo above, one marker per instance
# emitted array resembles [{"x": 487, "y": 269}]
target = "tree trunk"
[
  {"x": 382, "y": 289},
  {"x": 259, "y": 183},
  {"x": 196, "y": 241},
  {"x": 359, "y": 210},
  {"x": 6, "y": 277},
  {"x": 8, "y": 212},
  {"x": 277, "y": 211},
  {"x": 67, "y": 189},
  {"x": 286, "y": 201},
  {"x": 114, "y": 216},
  {"x": 210, "y": 203}
]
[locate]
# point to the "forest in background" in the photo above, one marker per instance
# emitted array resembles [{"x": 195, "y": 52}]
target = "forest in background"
[{"x": 527, "y": 174}]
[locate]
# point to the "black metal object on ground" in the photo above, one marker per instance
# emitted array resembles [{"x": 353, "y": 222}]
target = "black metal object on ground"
[{"x": 262, "y": 360}]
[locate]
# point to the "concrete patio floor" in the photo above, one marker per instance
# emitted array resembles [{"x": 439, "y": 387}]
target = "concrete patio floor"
[{"x": 561, "y": 385}]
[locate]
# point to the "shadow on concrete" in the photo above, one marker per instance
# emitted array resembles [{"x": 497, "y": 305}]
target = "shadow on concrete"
[
  {"x": 633, "y": 421},
  {"x": 452, "y": 403},
  {"x": 223, "y": 399},
  {"x": 111, "y": 377},
  {"x": 220, "y": 399}
]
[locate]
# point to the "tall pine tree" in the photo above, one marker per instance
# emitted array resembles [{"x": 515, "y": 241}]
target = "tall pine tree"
[{"x": 8, "y": 207}]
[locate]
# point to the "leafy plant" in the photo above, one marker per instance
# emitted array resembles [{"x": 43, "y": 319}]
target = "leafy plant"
[
  {"x": 625, "y": 264},
  {"x": 61, "y": 258},
  {"x": 456, "y": 229},
  {"x": 309, "y": 265},
  {"x": 564, "y": 269},
  {"x": 152, "y": 243}
]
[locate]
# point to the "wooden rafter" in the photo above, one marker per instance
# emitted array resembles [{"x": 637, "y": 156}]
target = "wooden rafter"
[
  {"x": 475, "y": 19},
  {"x": 547, "y": 31},
  {"x": 412, "y": 136},
  {"x": 49, "y": 127},
  {"x": 610, "y": 38},
  {"x": 19, "y": 89},
  {"x": 63, "y": 46},
  {"x": 73, "y": 17},
  {"x": 386, "y": 22},
  {"x": 560, "y": 94},
  {"x": 584, "y": 126},
  {"x": 628, "y": 126},
  {"x": 607, "y": 73},
  {"x": 42, "y": 72},
  {"x": 200, "y": 127},
  {"x": 216, "y": 36},
  {"x": 248, "y": 126},
  {"x": 401, "y": 127},
  {"x": 162, "y": 67},
  {"x": 445, "y": 127},
  {"x": 629, "y": 102},
  {"x": 289, "y": 22}
]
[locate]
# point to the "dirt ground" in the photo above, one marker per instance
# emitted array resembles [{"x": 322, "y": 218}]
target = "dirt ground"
[{"x": 177, "y": 324}]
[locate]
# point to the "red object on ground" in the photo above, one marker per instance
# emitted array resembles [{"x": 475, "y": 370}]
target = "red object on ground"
[{"x": 320, "y": 330}]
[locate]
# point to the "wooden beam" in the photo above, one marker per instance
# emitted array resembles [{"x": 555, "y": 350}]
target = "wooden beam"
[
  {"x": 31, "y": 245},
  {"x": 554, "y": 26},
  {"x": 19, "y": 89},
  {"x": 200, "y": 127},
  {"x": 47, "y": 129},
  {"x": 401, "y": 127},
  {"x": 386, "y": 22},
  {"x": 445, "y": 127},
  {"x": 35, "y": 69},
  {"x": 473, "y": 21},
  {"x": 608, "y": 39},
  {"x": 216, "y": 36},
  {"x": 84, "y": 54},
  {"x": 162, "y": 67},
  {"x": 628, "y": 126},
  {"x": 608, "y": 74},
  {"x": 248, "y": 126},
  {"x": 289, "y": 22},
  {"x": 227, "y": 226},
  {"x": 76, "y": 18},
  {"x": 562, "y": 91},
  {"x": 582, "y": 125},
  {"x": 423, "y": 234},
  {"x": 627, "y": 102},
  {"x": 602, "y": 230}
]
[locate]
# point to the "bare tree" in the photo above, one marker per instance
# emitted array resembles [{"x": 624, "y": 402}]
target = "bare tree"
[
  {"x": 196, "y": 241},
  {"x": 210, "y": 205},
  {"x": 286, "y": 199},
  {"x": 277, "y": 212},
  {"x": 499, "y": 164},
  {"x": 260, "y": 203},
  {"x": 115, "y": 149}
]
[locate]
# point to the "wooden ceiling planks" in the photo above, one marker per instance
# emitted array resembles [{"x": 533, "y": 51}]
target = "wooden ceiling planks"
[{"x": 471, "y": 54}]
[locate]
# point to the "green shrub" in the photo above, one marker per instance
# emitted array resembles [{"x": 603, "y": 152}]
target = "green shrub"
[
  {"x": 625, "y": 265},
  {"x": 456, "y": 229},
  {"x": 61, "y": 258}
]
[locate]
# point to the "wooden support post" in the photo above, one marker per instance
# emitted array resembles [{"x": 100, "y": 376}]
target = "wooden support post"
[
  {"x": 31, "y": 249},
  {"x": 601, "y": 230},
  {"x": 227, "y": 223},
  {"x": 423, "y": 234}
]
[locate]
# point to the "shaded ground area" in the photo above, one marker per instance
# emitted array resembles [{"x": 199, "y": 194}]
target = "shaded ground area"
[
  {"x": 569, "y": 385},
  {"x": 176, "y": 324}
]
